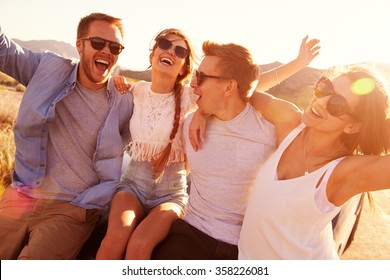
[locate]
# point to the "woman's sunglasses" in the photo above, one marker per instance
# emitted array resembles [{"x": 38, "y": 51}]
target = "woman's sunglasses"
[
  {"x": 337, "y": 104},
  {"x": 99, "y": 43},
  {"x": 165, "y": 44}
]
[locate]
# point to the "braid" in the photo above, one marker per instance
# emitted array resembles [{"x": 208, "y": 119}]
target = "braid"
[{"x": 161, "y": 161}]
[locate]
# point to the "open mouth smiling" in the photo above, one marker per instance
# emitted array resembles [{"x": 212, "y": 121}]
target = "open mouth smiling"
[
  {"x": 315, "y": 112},
  {"x": 166, "y": 61},
  {"x": 102, "y": 64}
]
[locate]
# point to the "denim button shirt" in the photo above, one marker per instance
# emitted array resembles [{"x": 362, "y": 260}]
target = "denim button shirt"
[{"x": 49, "y": 78}]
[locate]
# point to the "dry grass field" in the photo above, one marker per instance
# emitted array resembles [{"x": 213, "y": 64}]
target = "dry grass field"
[{"x": 10, "y": 96}]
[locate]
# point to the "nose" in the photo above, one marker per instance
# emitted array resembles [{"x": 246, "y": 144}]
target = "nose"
[
  {"x": 321, "y": 102},
  {"x": 171, "y": 50},
  {"x": 193, "y": 83},
  {"x": 106, "y": 48}
]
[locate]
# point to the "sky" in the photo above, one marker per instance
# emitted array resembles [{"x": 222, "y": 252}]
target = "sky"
[{"x": 350, "y": 31}]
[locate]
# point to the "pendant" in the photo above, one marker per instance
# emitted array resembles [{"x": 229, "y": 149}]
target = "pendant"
[{"x": 306, "y": 172}]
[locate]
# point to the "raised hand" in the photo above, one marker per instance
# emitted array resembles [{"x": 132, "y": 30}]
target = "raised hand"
[{"x": 308, "y": 51}]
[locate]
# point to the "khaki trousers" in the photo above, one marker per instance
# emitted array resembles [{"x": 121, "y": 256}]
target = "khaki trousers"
[{"x": 42, "y": 229}]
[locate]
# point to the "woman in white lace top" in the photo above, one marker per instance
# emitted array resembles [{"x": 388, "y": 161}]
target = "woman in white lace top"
[{"x": 152, "y": 192}]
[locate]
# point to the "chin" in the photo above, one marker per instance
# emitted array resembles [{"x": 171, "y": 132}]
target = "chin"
[{"x": 306, "y": 120}]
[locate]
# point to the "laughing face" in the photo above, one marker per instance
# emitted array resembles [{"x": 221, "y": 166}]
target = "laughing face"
[
  {"x": 97, "y": 65},
  {"x": 166, "y": 61},
  {"x": 318, "y": 114}
]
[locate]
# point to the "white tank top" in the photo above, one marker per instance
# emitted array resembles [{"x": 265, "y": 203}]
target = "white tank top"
[{"x": 282, "y": 220}]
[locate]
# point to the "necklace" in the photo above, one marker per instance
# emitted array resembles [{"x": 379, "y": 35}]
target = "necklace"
[{"x": 323, "y": 157}]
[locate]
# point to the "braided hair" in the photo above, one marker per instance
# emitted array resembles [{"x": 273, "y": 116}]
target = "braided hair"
[{"x": 160, "y": 161}]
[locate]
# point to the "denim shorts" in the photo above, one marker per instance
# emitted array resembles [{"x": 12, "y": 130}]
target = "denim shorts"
[{"x": 171, "y": 187}]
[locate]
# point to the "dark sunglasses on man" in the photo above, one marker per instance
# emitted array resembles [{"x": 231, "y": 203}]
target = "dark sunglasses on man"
[
  {"x": 165, "y": 44},
  {"x": 99, "y": 43},
  {"x": 200, "y": 76},
  {"x": 337, "y": 104}
]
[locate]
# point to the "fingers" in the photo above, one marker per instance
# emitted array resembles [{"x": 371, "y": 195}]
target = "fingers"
[
  {"x": 304, "y": 40},
  {"x": 315, "y": 51},
  {"x": 194, "y": 140},
  {"x": 312, "y": 43},
  {"x": 121, "y": 83},
  {"x": 312, "y": 47}
]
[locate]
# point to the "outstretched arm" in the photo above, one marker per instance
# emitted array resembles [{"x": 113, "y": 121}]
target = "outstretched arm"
[
  {"x": 307, "y": 52},
  {"x": 358, "y": 174}
]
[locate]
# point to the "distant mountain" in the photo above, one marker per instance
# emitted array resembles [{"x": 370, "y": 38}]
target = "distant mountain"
[
  {"x": 145, "y": 75},
  {"x": 62, "y": 48}
]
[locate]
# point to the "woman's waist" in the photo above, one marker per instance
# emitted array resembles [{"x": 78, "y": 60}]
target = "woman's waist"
[{"x": 146, "y": 151}]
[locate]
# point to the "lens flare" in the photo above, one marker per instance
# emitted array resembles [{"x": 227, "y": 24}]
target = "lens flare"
[{"x": 363, "y": 86}]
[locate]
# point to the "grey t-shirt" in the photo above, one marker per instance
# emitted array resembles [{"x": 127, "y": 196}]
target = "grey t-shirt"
[
  {"x": 223, "y": 172},
  {"x": 72, "y": 144}
]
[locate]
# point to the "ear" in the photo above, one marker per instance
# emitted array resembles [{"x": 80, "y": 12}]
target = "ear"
[
  {"x": 352, "y": 128},
  {"x": 79, "y": 46},
  {"x": 231, "y": 87}
]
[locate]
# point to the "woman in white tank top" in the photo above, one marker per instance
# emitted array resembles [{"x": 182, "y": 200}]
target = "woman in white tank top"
[{"x": 335, "y": 149}]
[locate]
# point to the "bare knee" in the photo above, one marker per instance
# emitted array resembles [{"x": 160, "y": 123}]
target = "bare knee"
[
  {"x": 139, "y": 248},
  {"x": 113, "y": 246}
]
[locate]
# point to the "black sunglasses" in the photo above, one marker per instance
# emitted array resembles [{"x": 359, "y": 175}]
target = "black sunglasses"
[
  {"x": 99, "y": 43},
  {"x": 200, "y": 76},
  {"x": 165, "y": 44},
  {"x": 337, "y": 104}
]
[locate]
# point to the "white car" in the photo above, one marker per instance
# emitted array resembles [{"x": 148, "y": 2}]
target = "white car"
[{"x": 346, "y": 223}]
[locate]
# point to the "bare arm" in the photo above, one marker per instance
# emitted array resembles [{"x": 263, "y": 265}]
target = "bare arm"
[
  {"x": 284, "y": 115},
  {"x": 358, "y": 174},
  {"x": 307, "y": 52},
  {"x": 197, "y": 129}
]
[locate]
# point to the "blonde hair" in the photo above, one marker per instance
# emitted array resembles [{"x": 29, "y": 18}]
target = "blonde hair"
[{"x": 235, "y": 62}]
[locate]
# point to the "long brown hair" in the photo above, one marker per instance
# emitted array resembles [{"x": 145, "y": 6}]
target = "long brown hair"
[
  {"x": 160, "y": 160},
  {"x": 372, "y": 112}
]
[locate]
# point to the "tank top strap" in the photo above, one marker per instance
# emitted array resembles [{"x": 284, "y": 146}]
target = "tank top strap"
[{"x": 291, "y": 136}]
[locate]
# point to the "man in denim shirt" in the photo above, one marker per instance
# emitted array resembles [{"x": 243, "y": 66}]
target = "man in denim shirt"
[{"x": 70, "y": 133}]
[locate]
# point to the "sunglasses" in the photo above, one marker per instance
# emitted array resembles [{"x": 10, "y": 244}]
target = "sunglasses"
[
  {"x": 200, "y": 76},
  {"x": 337, "y": 104},
  {"x": 99, "y": 43},
  {"x": 165, "y": 44}
]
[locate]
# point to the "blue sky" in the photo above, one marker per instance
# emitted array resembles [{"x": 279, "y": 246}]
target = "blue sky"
[{"x": 351, "y": 31}]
